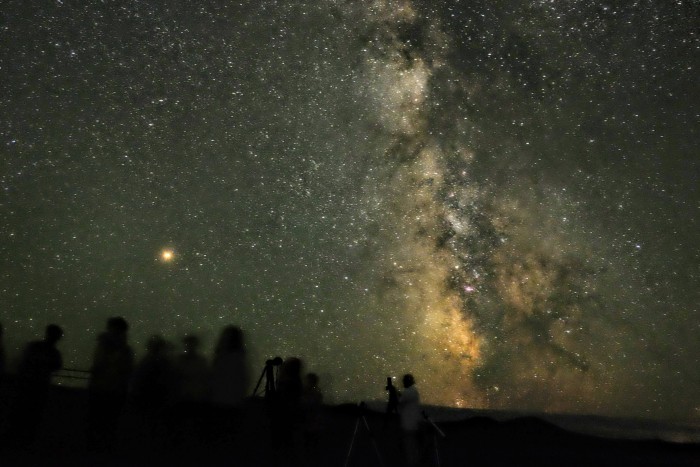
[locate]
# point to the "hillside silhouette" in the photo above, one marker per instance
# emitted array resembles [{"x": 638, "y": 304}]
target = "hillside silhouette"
[{"x": 476, "y": 441}]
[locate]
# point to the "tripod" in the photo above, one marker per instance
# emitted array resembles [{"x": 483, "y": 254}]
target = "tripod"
[
  {"x": 268, "y": 373},
  {"x": 436, "y": 432},
  {"x": 361, "y": 417}
]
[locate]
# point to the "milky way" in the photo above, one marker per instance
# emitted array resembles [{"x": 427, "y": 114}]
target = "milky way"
[{"x": 499, "y": 197}]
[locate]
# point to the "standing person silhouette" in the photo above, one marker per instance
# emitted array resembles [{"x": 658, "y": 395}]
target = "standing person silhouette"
[
  {"x": 229, "y": 381},
  {"x": 312, "y": 425},
  {"x": 193, "y": 373},
  {"x": 229, "y": 369},
  {"x": 152, "y": 384},
  {"x": 39, "y": 360},
  {"x": 3, "y": 357},
  {"x": 409, "y": 414},
  {"x": 112, "y": 366},
  {"x": 192, "y": 390},
  {"x": 287, "y": 417}
]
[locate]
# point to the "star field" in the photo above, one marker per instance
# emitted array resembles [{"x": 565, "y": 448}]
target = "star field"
[{"x": 499, "y": 197}]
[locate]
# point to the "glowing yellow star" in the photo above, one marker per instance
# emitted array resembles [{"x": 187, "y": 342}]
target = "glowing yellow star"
[{"x": 167, "y": 255}]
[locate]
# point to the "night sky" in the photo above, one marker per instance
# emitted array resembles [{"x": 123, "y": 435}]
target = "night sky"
[{"x": 500, "y": 197}]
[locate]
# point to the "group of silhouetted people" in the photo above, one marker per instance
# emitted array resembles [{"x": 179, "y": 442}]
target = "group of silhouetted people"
[
  {"x": 185, "y": 397},
  {"x": 165, "y": 390},
  {"x": 176, "y": 397}
]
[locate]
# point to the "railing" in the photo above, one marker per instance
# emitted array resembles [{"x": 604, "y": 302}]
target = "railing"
[{"x": 72, "y": 377}]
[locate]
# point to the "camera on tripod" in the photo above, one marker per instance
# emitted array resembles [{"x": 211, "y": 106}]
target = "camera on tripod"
[{"x": 269, "y": 374}]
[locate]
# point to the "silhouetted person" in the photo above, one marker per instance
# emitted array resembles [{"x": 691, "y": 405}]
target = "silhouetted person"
[
  {"x": 192, "y": 372},
  {"x": 287, "y": 414},
  {"x": 289, "y": 384},
  {"x": 39, "y": 360},
  {"x": 153, "y": 385},
  {"x": 3, "y": 356},
  {"x": 112, "y": 367},
  {"x": 312, "y": 426},
  {"x": 410, "y": 416},
  {"x": 193, "y": 378},
  {"x": 229, "y": 381},
  {"x": 229, "y": 369},
  {"x": 290, "y": 387}
]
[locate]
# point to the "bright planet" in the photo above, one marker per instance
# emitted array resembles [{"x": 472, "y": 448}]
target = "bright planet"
[{"x": 167, "y": 255}]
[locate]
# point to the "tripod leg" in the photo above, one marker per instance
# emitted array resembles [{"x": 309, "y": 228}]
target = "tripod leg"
[
  {"x": 437, "y": 451},
  {"x": 374, "y": 442},
  {"x": 352, "y": 443},
  {"x": 257, "y": 386}
]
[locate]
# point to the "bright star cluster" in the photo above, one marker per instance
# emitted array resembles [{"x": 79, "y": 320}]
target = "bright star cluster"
[{"x": 497, "y": 196}]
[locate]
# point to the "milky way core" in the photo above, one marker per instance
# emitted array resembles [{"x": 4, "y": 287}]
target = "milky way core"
[{"x": 500, "y": 197}]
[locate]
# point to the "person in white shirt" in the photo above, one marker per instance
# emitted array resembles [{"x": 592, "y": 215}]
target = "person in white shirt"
[{"x": 410, "y": 415}]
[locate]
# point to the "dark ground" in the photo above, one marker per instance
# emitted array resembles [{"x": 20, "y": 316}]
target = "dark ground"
[{"x": 182, "y": 442}]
